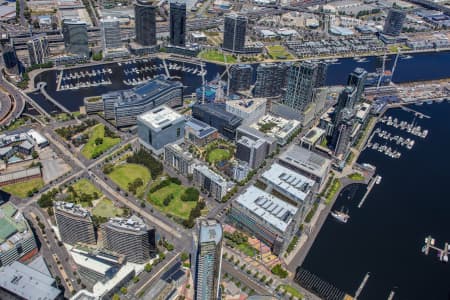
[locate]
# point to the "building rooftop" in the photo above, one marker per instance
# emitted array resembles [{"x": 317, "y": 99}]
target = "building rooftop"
[
  {"x": 293, "y": 184},
  {"x": 248, "y": 105},
  {"x": 307, "y": 160},
  {"x": 313, "y": 135},
  {"x": 32, "y": 136},
  {"x": 133, "y": 223},
  {"x": 84, "y": 295},
  {"x": 37, "y": 137},
  {"x": 28, "y": 283},
  {"x": 142, "y": 93},
  {"x": 91, "y": 262},
  {"x": 160, "y": 117},
  {"x": 72, "y": 209},
  {"x": 210, "y": 231},
  {"x": 219, "y": 111},
  {"x": 256, "y": 133},
  {"x": 281, "y": 129},
  {"x": 271, "y": 209},
  {"x": 177, "y": 149},
  {"x": 13, "y": 227},
  {"x": 20, "y": 174},
  {"x": 211, "y": 174},
  {"x": 200, "y": 128},
  {"x": 251, "y": 143}
]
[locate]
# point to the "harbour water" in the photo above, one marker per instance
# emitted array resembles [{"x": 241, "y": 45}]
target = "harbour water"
[
  {"x": 386, "y": 235},
  {"x": 425, "y": 66}
]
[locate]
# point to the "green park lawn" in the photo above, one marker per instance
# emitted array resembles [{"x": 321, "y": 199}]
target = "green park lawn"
[
  {"x": 85, "y": 186},
  {"x": 21, "y": 189},
  {"x": 124, "y": 174},
  {"x": 278, "y": 52},
  {"x": 215, "y": 55},
  {"x": 176, "y": 207},
  {"x": 105, "y": 208},
  {"x": 218, "y": 155},
  {"x": 335, "y": 186},
  {"x": 91, "y": 149},
  {"x": 294, "y": 292},
  {"x": 356, "y": 176}
]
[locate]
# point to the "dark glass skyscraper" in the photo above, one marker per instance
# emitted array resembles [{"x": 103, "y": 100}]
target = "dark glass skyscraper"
[
  {"x": 10, "y": 59},
  {"x": 302, "y": 79},
  {"x": 38, "y": 50},
  {"x": 208, "y": 261},
  {"x": 178, "y": 24},
  {"x": 321, "y": 76},
  {"x": 240, "y": 77},
  {"x": 270, "y": 79},
  {"x": 75, "y": 37},
  {"x": 235, "y": 27},
  {"x": 346, "y": 100},
  {"x": 145, "y": 22},
  {"x": 394, "y": 22},
  {"x": 357, "y": 79}
]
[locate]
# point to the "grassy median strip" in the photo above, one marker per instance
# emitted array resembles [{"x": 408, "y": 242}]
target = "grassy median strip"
[
  {"x": 289, "y": 289},
  {"x": 335, "y": 186}
]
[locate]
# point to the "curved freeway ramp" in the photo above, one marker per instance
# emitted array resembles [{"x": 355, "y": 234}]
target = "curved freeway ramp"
[{"x": 12, "y": 103}]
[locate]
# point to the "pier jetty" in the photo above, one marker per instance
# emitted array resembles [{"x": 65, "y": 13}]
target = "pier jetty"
[{"x": 442, "y": 253}]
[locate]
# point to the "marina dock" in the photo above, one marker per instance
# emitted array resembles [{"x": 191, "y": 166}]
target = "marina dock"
[
  {"x": 415, "y": 112},
  {"x": 362, "y": 285},
  {"x": 369, "y": 189},
  {"x": 391, "y": 295},
  {"x": 442, "y": 253}
]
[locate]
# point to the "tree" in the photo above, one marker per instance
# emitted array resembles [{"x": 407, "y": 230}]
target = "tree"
[
  {"x": 190, "y": 194},
  {"x": 124, "y": 290},
  {"x": 116, "y": 297},
  {"x": 108, "y": 168},
  {"x": 184, "y": 256},
  {"x": 97, "y": 56},
  {"x": 34, "y": 154},
  {"x": 148, "y": 268},
  {"x": 98, "y": 141}
]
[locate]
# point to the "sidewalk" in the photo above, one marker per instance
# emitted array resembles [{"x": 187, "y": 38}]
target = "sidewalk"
[{"x": 305, "y": 235}]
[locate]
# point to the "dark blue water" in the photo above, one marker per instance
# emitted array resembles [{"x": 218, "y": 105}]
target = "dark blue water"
[
  {"x": 73, "y": 99},
  {"x": 425, "y": 66},
  {"x": 386, "y": 235}
]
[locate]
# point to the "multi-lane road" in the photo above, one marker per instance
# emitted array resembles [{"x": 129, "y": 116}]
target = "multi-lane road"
[{"x": 12, "y": 103}]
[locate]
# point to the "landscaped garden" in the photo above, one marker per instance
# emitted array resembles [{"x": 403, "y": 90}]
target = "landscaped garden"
[
  {"x": 24, "y": 189},
  {"x": 83, "y": 192},
  {"x": 175, "y": 200},
  {"x": 215, "y": 55},
  {"x": 168, "y": 199},
  {"x": 278, "y": 52},
  {"x": 101, "y": 138},
  {"x": 356, "y": 176},
  {"x": 72, "y": 130},
  {"x": 218, "y": 151},
  {"x": 335, "y": 186},
  {"x": 130, "y": 177},
  {"x": 105, "y": 208},
  {"x": 239, "y": 241},
  {"x": 289, "y": 289}
]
